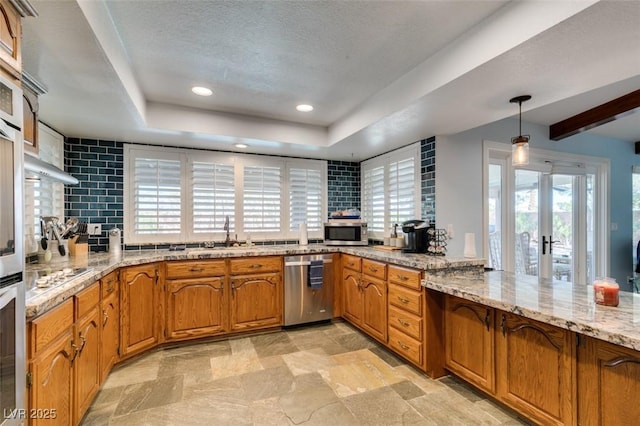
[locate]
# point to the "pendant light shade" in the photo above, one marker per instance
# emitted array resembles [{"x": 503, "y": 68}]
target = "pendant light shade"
[{"x": 520, "y": 143}]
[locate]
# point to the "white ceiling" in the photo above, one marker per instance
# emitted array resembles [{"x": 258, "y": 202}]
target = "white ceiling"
[{"x": 380, "y": 74}]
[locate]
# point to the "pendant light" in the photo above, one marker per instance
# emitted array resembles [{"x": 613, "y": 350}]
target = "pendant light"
[{"x": 520, "y": 144}]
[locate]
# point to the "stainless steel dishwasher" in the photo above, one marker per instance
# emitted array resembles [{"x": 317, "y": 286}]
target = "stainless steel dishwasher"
[{"x": 308, "y": 300}]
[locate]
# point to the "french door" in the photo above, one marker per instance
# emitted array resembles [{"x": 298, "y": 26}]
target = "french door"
[
  {"x": 549, "y": 218},
  {"x": 553, "y": 223}
]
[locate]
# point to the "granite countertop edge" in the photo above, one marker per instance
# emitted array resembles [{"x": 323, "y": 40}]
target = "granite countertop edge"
[{"x": 565, "y": 305}]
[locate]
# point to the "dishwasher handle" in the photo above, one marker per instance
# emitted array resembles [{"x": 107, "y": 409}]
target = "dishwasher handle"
[{"x": 305, "y": 262}]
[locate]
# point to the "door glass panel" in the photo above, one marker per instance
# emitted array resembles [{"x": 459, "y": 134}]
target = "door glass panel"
[
  {"x": 495, "y": 216},
  {"x": 527, "y": 201},
  {"x": 562, "y": 233}
]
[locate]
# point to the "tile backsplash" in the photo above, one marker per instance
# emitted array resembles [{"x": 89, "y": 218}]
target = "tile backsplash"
[{"x": 98, "y": 198}]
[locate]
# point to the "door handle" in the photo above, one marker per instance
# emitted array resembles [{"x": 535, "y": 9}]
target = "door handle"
[{"x": 550, "y": 242}]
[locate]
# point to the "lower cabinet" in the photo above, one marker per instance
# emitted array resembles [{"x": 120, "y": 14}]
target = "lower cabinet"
[
  {"x": 140, "y": 308},
  {"x": 352, "y": 296},
  {"x": 374, "y": 310},
  {"x": 52, "y": 352},
  {"x": 608, "y": 384},
  {"x": 195, "y": 298},
  {"x": 110, "y": 323},
  {"x": 87, "y": 362},
  {"x": 469, "y": 342}
]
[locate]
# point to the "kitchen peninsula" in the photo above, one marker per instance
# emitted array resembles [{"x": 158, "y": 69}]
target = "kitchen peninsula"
[{"x": 541, "y": 347}]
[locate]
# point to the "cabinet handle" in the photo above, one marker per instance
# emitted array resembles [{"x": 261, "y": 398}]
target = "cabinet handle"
[
  {"x": 194, "y": 269},
  {"x": 403, "y": 300},
  {"x": 372, "y": 269},
  {"x": 404, "y": 323},
  {"x": 76, "y": 350},
  {"x": 84, "y": 341},
  {"x": 486, "y": 319},
  {"x": 106, "y": 317},
  {"x": 403, "y": 277},
  {"x": 402, "y": 345},
  {"x": 110, "y": 287},
  {"x": 256, "y": 266},
  {"x": 502, "y": 326}
]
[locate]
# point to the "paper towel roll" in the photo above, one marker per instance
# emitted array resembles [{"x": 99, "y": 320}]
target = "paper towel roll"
[
  {"x": 303, "y": 234},
  {"x": 470, "y": 244}
]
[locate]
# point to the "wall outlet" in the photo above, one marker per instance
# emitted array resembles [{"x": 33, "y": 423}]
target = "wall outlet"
[{"x": 94, "y": 229}]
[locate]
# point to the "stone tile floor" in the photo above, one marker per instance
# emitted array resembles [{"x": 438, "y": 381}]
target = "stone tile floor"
[{"x": 328, "y": 374}]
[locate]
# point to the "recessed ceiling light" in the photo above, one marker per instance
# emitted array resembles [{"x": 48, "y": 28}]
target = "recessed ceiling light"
[
  {"x": 304, "y": 108},
  {"x": 201, "y": 91},
  {"x": 241, "y": 145}
]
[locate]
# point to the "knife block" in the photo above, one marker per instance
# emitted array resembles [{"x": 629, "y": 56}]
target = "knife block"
[{"x": 78, "y": 249}]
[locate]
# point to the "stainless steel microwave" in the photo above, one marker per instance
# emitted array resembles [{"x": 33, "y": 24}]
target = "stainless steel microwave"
[{"x": 346, "y": 234}]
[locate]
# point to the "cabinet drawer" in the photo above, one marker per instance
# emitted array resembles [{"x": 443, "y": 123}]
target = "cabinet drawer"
[
  {"x": 374, "y": 269},
  {"x": 406, "y": 299},
  {"x": 253, "y": 265},
  {"x": 195, "y": 268},
  {"x": 406, "y": 277},
  {"x": 44, "y": 329},
  {"x": 109, "y": 284},
  {"x": 351, "y": 262},
  {"x": 406, "y": 346},
  {"x": 405, "y": 322},
  {"x": 87, "y": 299}
]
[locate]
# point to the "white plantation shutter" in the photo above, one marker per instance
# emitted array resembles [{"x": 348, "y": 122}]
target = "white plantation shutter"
[
  {"x": 373, "y": 198},
  {"x": 213, "y": 196},
  {"x": 391, "y": 189},
  {"x": 157, "y": 196},
  {"x": 262, "y": 199},
  {"x": 305, "y": 198},
  {"x": 402, "y": 191}
]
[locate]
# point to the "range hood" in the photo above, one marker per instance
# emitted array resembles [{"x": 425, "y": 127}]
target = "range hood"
[{"x": 42, "y": 168}]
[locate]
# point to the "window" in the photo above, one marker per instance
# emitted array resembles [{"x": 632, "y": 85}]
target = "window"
[
  {"x": 176, "y": 195},
  {"x": 44, "y": 197},
  {"x": 635, "y": 203},
  {"x": 391, "y": 189}
]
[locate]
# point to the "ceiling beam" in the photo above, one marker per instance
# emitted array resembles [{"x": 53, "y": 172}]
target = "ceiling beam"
[{"x": 602, "y": 114}]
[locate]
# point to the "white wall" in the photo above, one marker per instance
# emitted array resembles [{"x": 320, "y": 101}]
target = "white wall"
[{"x": 459, "y": 183}]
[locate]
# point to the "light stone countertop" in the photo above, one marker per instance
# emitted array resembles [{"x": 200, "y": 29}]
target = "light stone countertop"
[
  {"x": 99, "y": 265},
  {"x": 565, "y": 305}
]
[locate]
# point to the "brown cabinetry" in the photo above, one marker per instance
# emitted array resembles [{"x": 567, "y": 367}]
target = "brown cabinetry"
[
  {"x": 608, "y": 384},
  {"x": 407, "y": 314},
  {"x": 535, "y": 369},
  {"x": 110, "y": 312},
  {"x": 256, "y": 293},
  {"x": 364, "y": 295},
  {"x": 195, "y": 299},
  {"x": 140, "y": 308},
  {"x": 469, "y": 342},
  {"x": 10, "y": 39},
  {"x": 30, "y": 119},
  {"x": 52, "y": 351},
  {"x": 87, "y": 361}
]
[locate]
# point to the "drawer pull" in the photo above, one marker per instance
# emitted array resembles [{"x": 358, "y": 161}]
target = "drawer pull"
[
  {"x": 403, "y": 277},
  {"x": 256, "y": 266},
  {"x": 110, "y": 287},
  {"x": 372, "y": 269},
  {"x": 402, "y": 322},
  {"x": 106, "y": 317},
  {"x": 403, "y": 346},
  {"x": 403, "y": 300},
  {"x": 194, "y": 269}
]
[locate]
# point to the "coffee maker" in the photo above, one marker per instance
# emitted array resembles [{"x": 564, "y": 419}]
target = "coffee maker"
[{"x": 415, "y": 236}]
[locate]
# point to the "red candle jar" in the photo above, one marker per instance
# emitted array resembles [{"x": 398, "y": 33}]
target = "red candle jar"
[{"x": 606, "y": 291}]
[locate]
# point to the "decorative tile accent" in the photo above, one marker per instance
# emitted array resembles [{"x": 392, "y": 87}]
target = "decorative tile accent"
[
  {"x": 343, "y": 185},
  {"x": 428, "y": 178}
]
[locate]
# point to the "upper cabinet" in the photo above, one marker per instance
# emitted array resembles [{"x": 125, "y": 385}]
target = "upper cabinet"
[
  {"x": 31, "y": 89},
  {"x": 11, "y": 12}
]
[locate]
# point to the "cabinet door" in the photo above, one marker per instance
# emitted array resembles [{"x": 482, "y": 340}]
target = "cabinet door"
[
  {"x": 30, "y": 120},
  {"x": 10, "y": 36},
  {"x": 535, "y": 369},
  {"x": 87, "y": 363},
  {"x": 608, "y": 384},
  {"x": 374, "y": 311},
  {"x": 139, "y": 308},
  {"x": 469, "y": 342},
  {"x": 256, "y": 301},
  {"x": 195, "y": 307},
  {"x": 52, "y": 380},
  {"x": 110, "y": 337},
  {"x": 351, "y": 296}
]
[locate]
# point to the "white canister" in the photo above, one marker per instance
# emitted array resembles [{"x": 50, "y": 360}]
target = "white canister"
[
  {"x": 303, "y": 239},
  {"x": 470, "y": 245},
  {"x": 115, "y": 241}
]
